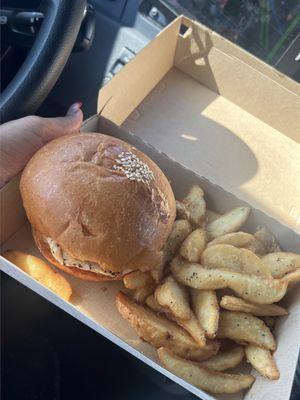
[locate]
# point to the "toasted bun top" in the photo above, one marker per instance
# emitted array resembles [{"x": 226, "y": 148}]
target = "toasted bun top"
[{"x": 101, "y": 199}]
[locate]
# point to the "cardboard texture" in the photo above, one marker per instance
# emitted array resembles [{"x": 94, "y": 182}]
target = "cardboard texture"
[
  {"x": 216, "y": 109},
  {"x": 216, "y": 131}
]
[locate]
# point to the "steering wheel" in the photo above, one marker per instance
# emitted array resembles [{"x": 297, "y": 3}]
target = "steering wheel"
[{"x": 46, "y": 59}]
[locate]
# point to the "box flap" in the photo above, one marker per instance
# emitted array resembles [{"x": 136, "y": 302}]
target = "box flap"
[
  {"x": 240, "y": 77},
  {"x": 221, "y": 141},
  {"x": 231, "y": 49},
  {"x": 155, "y": 61}
]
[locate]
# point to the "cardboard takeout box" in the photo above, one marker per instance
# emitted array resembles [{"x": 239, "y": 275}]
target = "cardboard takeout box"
[{"x": 226, "y": 121}]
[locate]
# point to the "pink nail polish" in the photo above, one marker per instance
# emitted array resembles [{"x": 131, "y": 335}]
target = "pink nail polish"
[{"x": 75, "y": 107}]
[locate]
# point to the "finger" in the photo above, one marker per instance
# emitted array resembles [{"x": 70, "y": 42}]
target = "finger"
[
  {"x": 74, "y": 108},
  {"x": 71, "y": 123}
]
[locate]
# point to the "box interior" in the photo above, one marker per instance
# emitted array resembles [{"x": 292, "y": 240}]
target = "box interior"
[
  {"x": 219, "y": 111},
  {"x": 91, "y": 300},
  {"x": 221, "y": 141},
  {"x": 196, "y": 124}
]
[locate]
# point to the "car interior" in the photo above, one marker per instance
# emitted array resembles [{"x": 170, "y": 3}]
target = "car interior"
[{"x": 55, "y": 53}]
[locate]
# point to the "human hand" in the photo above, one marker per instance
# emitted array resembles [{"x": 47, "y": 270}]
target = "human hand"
[{"x": 21, "y": 138}]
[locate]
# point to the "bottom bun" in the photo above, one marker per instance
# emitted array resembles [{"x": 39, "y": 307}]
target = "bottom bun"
[{"x": 77, "y": 272}]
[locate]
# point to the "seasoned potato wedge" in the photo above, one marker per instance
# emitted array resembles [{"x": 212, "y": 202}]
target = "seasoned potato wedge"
[
  {"x": 159, "y": 331},
  {"x": 211, "y": 215},
  {"x": 263, "y": 361},
  {"x": 193, "y": 245},
  {"x": 232, "y": 303},
  {"x": 210, "y": 349},
  {"x": 225, "y": 359},
  {"x": 195, "y": 204},
  {"x": 229, "y": 222},
  {"x": 270, "y": 322},
  {"x": 181, "y": 229},
  {"x": 40, "y": 271},
  {"x": 154, "y": 305},
  {"x": 205, "y": 379},
  {"x": 181, "y": 211},
  {"x": 140, "y": 295},
  {"x": 230, "y": 258},
  {"x": 158, "y": 272},
  {"x": 267, "y": 239},
  {"x": 175, "y": 307},
  {"x": 255, "y": 288},
  {"x": 257, "y": 247},
  {"x": 240, "y": 240},
  {"x": 237, "y": 239},
  {"x": 151, "y": 327},
  {"x": 174, "y": 297},
  {"x": 291, "y": 278},
  {"x": 245, "y": 328},
  {"x": 191, "y": 325},
  {"x": 206, "y": 309},
  {"x": 281, "y": 263},
  {"x": 137, "y": 280}
]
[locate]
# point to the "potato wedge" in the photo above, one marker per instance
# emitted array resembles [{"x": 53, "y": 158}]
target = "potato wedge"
[
  {"x": 270, "y": 322},
  {"x": 225, "y": 359},
  {"x": 237, "y": 239},
  {"x": 257, "y": 247},
  {"x": 195, "y": 204},
  {"x": 229, "y": 222},
  {"x": 159, "y": 331},
  {"x": 210, "y": 349},
  {"x": 267, "y": 239},
  {"x": 206, "y": 309},
  {"x": 152, "y": 303},
  {"x": 193, "y": 245},
  {"x": 231, "y": 258},
  {"x": 174, "y": 297},
  {"x": 181, "y": 229},
  {"x": 181, "y": 211},
  {"x": 263, "y": 361},
  {"x": 151, "y": 327},
  {"x": 193, "y": 327},
  {"x": 40, "y": 271},
  {"x": 137, "y": 280},
  {"x": 255, "y": 288},
  {"x": 205, "y": 379},
  {"x": 246, "y": 328},
  {"x": 240, "y": 240},
  {"x": 158, "y": 272},
  {"x": 292, "y": 278},
  {"x": 232, "y": 303},
  {"x": 281, "y": 263},
  {"x": 140, "y": 295},
  {"x": 211, "y": 215}
]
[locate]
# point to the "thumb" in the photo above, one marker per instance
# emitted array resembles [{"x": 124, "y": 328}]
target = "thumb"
[{"x": 71, "y": 123}]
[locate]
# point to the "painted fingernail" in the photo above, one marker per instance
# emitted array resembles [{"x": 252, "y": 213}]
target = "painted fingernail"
[{"x": 74, "y": 108}]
